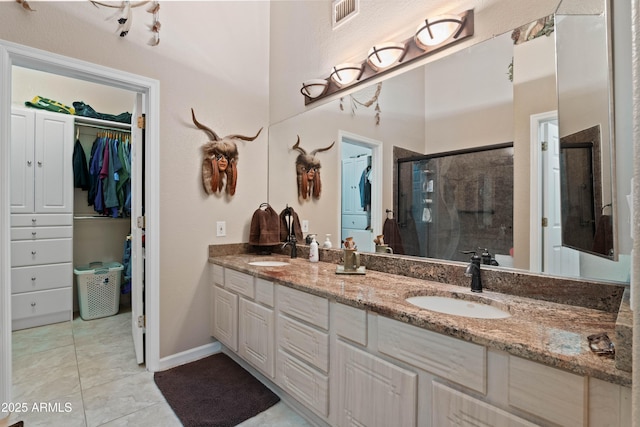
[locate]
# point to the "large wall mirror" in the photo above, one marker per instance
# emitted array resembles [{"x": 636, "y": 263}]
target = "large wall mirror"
[{"x": 495, "y": 97}]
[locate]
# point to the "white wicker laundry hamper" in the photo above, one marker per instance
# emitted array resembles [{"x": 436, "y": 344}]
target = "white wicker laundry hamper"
[{"x": 98, "y": 289}]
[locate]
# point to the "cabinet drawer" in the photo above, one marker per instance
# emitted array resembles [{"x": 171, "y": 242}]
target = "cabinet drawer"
[
  {"x": 310, "y": 308},
  {"x": 350, "y": 323},
  {"x": 41, "y": 277},
  {"x": 456, "y": 360},
  {"x": 27, "y": 252},
  {"x": 359, "y": 222},
  {"x": 264, "y": 292},
  {"x": 305, "y": 342},
  {"x": 33, "y": 233},
  {"x": 452, "y": 408},
  {"x": 217, "y": 274},
  {"x": 41, "y": 220},
  {"x": 41, "y": 303},
  {"x": 241, "y": 283},
  {"x": 304, "y": 383},
  {"x": 549, "y": 393}
]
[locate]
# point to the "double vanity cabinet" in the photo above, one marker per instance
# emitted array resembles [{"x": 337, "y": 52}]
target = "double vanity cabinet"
[{"x": 347, "y": 365}]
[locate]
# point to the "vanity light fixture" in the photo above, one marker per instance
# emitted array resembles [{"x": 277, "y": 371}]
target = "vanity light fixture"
[
  {"x": 385, "y": 55},
  {"x": 431, "y": 35},
  {"x": 314, "y": 88},
  {"x": 436, "y": 30},
  {"x": 345, "y": 74}
]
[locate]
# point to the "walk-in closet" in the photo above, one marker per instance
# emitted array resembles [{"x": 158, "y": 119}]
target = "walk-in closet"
[{"x": 69, "y": 211}]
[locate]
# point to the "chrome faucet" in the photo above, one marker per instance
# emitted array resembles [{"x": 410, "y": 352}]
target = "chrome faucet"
[
  {"x": 473, "y": 271},
  {"x": 291, "y": 236}
]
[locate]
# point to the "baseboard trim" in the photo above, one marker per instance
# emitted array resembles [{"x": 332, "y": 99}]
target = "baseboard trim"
[{"x": 191, "y": 355}]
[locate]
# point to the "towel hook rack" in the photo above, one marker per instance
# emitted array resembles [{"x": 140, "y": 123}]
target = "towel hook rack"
[{"x": 389, "y": 211}]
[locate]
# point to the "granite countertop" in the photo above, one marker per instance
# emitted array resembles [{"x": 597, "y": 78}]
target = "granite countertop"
[{"x": 550, "y": 333}]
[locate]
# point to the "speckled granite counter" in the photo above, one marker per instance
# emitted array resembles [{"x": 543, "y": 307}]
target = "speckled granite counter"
[{"x": 547, "y": 332}]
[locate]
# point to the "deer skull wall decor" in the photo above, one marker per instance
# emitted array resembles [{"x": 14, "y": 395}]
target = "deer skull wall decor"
[
  {"x": 220, "y": 158},
  {"x": 308, "y": 171}
]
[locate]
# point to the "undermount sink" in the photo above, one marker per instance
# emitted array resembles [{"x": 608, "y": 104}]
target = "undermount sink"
[
  {"x": 269, "y": 263},
  {"x": 459, "y": 307}
]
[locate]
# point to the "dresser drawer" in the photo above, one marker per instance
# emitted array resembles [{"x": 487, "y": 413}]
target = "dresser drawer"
[
  {"x": 301, "y": 305},
  {"x": 41, "y": 277},
  {"x": 41, "y": 220},
  {"x": 33, "y": 233},
  {"x": 41, "y": 303},
  {"x": 359, "y": 222},
  {"x": 241, "y": 283},
  {"x": 48, "y": 251},
  {"x": 305, "y": 342}
]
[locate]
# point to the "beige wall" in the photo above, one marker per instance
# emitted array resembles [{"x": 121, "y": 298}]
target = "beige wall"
[{"x": 213, "y": 56}]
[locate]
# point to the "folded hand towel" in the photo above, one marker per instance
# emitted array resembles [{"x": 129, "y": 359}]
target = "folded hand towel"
[
  {"x": 284, "y": 226},
  {"x": 265, "y": 227}
]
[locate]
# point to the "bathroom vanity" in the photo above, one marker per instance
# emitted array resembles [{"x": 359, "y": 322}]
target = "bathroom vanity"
[{"x": 350, "y": 350}]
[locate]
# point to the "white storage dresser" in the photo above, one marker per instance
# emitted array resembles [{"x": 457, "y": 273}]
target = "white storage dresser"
[{"x": 41, "y": 218}]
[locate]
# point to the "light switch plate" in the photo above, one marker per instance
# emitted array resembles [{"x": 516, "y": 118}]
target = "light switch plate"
[
  {"x": 305, "y": 226},
  {"x": 221, "y": 228}
]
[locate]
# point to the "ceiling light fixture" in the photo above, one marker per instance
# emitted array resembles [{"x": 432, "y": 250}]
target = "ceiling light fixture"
[
  {"x": 431, "y": 35},
  {"x": 345, "y": 74},
  {"x": 436, "y": 30},
  {"x": 385, "y": 55}
]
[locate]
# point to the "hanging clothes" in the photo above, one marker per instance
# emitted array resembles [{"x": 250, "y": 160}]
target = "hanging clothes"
[
  {"x": 110, "y": 175},
  {"x": 365, "y": 188},
  {"x": 80, "y": 169}
]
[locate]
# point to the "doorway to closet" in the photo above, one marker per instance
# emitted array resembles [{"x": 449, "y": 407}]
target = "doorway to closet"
[{"x": 146, "y": 93}]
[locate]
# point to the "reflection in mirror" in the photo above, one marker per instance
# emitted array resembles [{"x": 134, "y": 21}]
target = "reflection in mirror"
[
  {"x": 479, "y": 96},
  {"x": 453, "y": 203},
  {"x": 586, "y": 142}
]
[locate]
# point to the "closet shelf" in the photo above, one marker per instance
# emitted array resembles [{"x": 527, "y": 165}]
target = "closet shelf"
[
  {"x": 84, "y": 217},
  {"x": 90, "y": 121}
]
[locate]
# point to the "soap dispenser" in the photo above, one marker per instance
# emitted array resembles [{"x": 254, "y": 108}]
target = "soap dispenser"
[
  {"x": 327, "y": 242},
  {"x": 313, "y": 250}
]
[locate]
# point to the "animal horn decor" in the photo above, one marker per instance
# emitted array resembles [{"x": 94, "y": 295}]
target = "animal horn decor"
[
  {"x": 220, "y": 160},
  {"x": 308, "y": 171}
]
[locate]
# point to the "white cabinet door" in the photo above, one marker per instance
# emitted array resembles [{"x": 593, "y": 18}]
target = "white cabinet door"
[
  {"x": 373, "y": 392},
  {"x": 225, "y": 317},
  {"x": 257, "y": 336},
  {"x": 53, "y": 163},
  {"x": 22, "y": 152},
  {"x": 41, "y": 162}
]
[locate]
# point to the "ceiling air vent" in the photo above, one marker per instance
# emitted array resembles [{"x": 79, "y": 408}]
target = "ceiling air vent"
[{"x": 343, "y": 10}]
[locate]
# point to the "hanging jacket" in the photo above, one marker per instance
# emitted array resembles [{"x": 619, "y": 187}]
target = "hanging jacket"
[{"x": 80, "y": 169}]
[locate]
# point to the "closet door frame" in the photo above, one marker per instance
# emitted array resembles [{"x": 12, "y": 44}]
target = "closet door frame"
[{"x": 14, "y": 54}]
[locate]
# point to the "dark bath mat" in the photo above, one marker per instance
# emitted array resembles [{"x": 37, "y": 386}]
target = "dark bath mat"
[{"x": 213, "y": 392}]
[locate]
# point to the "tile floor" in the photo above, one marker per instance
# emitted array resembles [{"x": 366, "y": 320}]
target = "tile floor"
[{"x": 86, "y": 371}]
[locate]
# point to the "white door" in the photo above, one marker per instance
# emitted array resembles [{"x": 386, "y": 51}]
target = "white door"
[
  {"x": 556, "y": 259},
  {"x": 137, "y": 233}
]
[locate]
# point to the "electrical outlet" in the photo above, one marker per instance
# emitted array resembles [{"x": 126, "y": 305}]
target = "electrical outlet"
[
  {"x": 221, "y": 228},
  {"x": 305, "y": 226}
]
